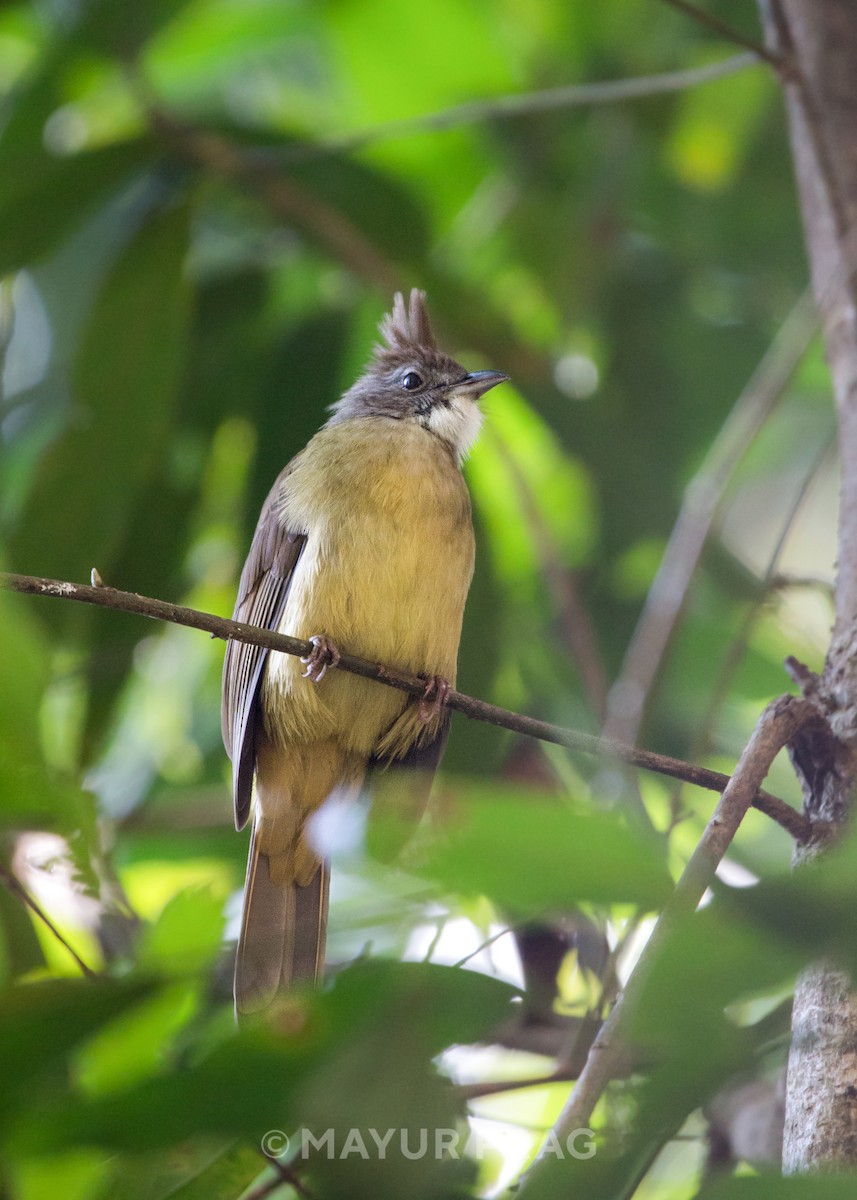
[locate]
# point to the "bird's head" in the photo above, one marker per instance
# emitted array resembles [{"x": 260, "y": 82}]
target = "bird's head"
[{"x": 409, "y": 379}]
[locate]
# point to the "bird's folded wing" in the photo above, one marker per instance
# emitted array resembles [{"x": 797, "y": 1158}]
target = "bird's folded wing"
[{"x": 262, "y": 595}]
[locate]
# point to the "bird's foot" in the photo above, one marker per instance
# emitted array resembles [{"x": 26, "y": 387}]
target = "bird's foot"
[
  {"x": 434, "y": 697},
  {"x": 324, "y": 654}
]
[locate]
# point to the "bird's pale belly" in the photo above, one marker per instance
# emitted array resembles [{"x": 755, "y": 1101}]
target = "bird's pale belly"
[{"x": 387, "y": 582}]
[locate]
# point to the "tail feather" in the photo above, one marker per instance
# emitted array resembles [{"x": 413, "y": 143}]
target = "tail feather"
[
  {"x": 310, "y": 938},
  {"x": 283, "y": 933}
]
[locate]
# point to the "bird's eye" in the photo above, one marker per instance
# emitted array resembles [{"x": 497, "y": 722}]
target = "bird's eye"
[{"x": 411, "y": 381}]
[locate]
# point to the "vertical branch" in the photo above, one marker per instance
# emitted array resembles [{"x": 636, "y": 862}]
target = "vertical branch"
[
  {"x": 821, "y": 99},
  {"x": 819, "y": 1126},
  {"x": 819, "y": 37},
  {"x": 17, "y": 889}
]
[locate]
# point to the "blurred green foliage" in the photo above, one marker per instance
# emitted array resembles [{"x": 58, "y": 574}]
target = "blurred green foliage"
[{"x": 192, "y": 264}]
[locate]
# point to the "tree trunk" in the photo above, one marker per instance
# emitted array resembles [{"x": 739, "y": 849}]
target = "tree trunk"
[{"x": 817, "y": 42}]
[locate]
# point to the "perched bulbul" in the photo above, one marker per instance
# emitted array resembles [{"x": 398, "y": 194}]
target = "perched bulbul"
[{"x": 365, "y": 541}]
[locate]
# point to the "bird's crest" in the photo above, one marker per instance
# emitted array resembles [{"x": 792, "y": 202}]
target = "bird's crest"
[{"x": 407, "y": 326}]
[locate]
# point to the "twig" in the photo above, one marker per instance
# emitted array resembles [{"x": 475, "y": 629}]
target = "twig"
[
  {"x": 290, "y": 1176},
  {"x": 266, "y": 1188},
  {"x": 610, "y": 982},
  {"x": 577, "y": 627},
  {"x": 818, "y": 583},
  {"x": 730, "y": 34},
  {"x": 777, "y": 726},
  {"x": 770, "y": 582},
  {"x": 808, "y": 681},
  {"x": 285, "y": 1174},
  {"x": 7, "y": 328},
  {"x": 502, "y": 107},
  {"x": 667, "y": 595},
  {"x": 478, "y": 710},
  {"x": 489, "y": 941},
  {"x": 436, "y": 936},
  {"x": 283, "y": 197},
  {"x": 17, "y": 889},
  {"x": 477, "y": 1091}
]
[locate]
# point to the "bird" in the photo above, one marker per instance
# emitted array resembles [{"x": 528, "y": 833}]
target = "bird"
[{"x": 365, "y": 541}]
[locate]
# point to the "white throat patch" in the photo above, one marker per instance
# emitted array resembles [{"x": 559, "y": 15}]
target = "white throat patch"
[{"x": 457, "y": 422}]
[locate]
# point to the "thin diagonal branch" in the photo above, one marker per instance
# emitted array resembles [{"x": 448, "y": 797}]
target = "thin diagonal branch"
[
  {"x": 498, "y": 108},
  {"x": 498, "y": 1087},
  {"x": 575, "y": 620},
  {"x": 777, "y": 726},
  {"x": 17, "y": 889},
  {"x": 668, "y": 593},
  {"x": 701, "y": 743},
  {"x": 284, "y": 1176},
  {"x": 285, "y": 198},
  {"x": 727, "y": 32},
  {"x": 289, "y": 1175},
  {"x": 495, "y": 937},
  {"x": 478, "y": 710}
]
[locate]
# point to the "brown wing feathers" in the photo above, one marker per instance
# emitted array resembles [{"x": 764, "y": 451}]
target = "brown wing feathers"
[{"x": 262, "y": 595}]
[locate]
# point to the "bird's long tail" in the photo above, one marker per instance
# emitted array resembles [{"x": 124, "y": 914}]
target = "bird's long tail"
[{"x": 283, "y": 932}]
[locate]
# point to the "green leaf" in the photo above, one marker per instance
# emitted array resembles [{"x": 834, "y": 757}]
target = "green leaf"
[
  {"x": 533, "y": 855},
  {"x": 346, "y": 207},
  {"x": 202, "y": 1169},
  {"x": 187, "y": 935},
  {"x": 227, "y": 355},
  {"x": 255, "y": 1081},
  {"x": 77, "y": 1175},
  {"x": 309, "y": 356},
  {"x": 20, "y": 949},
  {"x": 241, "y": 1088},
  {"x": 521, "y": 478},
  {"x": 31, "y": 794},
  {"x": 41, "y": 1022},
  {"x": 713, "y": 128},
  {"x": 121, "y": 30},
  {"x": 28, "y": 106},
  {"x": 708, "y": 961},
  {"x": 42, "y": 200},
  {"x": 448, "y": 1004},
  {"x": 25, "y": 671},
  {"x": 810, "y": 910},
  {"x": 398, "y": 1017},
  {"x": 379, "y": 206},
  {"x": 135, "y": 1044},
  {"x": 225, "y": 1178},
  {"x": 125, "y": 382}
]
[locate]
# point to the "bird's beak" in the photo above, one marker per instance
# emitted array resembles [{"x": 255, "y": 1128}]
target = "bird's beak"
[{"x": 477, "y": 383}]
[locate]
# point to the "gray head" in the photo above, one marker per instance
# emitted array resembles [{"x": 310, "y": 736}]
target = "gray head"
[{"x": 409, "y": 379}]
